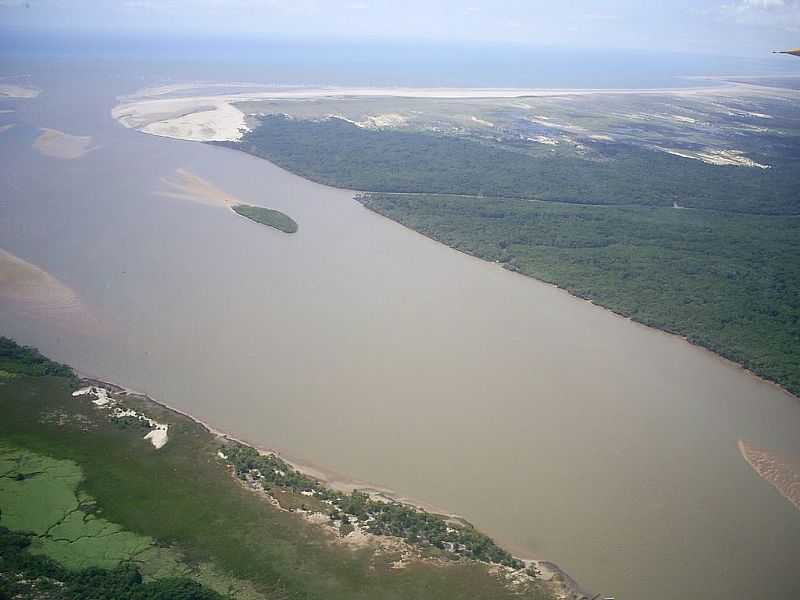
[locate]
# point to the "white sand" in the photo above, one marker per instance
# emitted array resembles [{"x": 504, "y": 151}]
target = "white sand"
[
  {"x": 57, "y": 144},
  {"x": 543, "y": 139},
  {"x": 716, "y": 157},
  {"x": 481, "y": 122},
  {"x": 158, "y": 437},
  {"x": 8, "y": 90},
  {"x": 216, "y": 118},
  {"x": 101, "y": 398},
  {"x": 387, "y": 120}
]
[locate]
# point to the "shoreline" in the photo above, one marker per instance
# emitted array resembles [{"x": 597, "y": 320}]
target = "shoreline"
[{"x": 549, "y": 570}]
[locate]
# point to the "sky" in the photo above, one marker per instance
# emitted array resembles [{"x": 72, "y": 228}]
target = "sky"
[{"x": 723, "y": 27}]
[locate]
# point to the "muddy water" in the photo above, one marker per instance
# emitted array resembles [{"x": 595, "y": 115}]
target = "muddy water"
[{"x": 564, "y": 431}]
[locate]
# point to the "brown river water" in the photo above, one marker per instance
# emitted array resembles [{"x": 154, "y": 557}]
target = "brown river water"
[{"x": 564, "y": 431}]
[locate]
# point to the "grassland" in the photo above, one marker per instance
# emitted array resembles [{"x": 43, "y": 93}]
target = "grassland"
[
  {"x": 267, "y": 216},
  {"x": 183, "y": 501},
  {"x": 728, "y": 282}
]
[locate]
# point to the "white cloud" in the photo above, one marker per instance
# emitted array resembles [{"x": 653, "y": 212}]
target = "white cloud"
[{"x": 779, "y": 14}]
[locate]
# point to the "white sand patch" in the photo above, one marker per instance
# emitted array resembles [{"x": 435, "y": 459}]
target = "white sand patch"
[
  {"x": 214, "y": 117},
  {"x": 384, "y": 121},
  {"x": 8, "y": 90},
  {"x": 757, "y": 115},
  {"x": 716, "y": 157},
  {"x": 57, "y": 144},
  {"x": 543, "y": 139},
  {"x": 185, "y": 185},
  {"x": 205, "y": 119},
  {"x": 343, "y": 118},
  {"x": 102, "y": 399},
  {"x": 223, "y": 122},
  {"x": 481, "y": 121},
  {"x": 158, "y": 437},
  {"x": 100, "y": 395},
  {"x": 318, "y": 518}
]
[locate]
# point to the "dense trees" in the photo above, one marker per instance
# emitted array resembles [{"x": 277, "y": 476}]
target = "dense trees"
[
  {"x": 267, "y": 216},
  {"x": 339, "y": 153},
  {"x": 29, "y": 361},
  {"x": 380, "y": 518}
]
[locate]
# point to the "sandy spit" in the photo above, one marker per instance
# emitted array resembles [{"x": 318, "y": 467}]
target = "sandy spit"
[{"x": 185, "y": 185}]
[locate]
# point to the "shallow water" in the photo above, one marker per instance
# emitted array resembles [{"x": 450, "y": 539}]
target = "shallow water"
[{"x": 564, "y": 431}]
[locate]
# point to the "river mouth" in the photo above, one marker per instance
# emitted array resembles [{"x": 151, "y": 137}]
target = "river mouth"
[{"x": 561, "y": 430}]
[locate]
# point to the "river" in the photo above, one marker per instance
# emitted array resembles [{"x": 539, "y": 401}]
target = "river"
[{"x": 564, "y": 431}]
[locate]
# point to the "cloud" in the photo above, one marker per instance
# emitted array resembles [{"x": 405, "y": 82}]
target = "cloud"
[
  {"x": 763, "y": 4},
  {"x": 779, "y": 14}
]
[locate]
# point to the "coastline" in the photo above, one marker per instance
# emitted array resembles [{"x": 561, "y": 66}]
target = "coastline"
[{"x": 550, "y": 572}]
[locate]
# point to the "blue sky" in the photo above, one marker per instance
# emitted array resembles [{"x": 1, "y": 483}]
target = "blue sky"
[{"x": 729, "y": 27}]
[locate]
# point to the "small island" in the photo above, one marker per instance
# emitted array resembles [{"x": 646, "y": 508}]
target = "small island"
[{"x": 267, "y": 216}]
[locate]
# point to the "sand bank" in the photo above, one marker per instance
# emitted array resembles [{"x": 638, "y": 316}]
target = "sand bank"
[
  {"x": 33, "y": 292},
  {"x": 57, "y": 144},
  {"x": 774, "y": 469},
  {"x": 185, "y": 185}
]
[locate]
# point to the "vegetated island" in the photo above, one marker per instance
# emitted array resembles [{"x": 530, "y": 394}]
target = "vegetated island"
[
  {"x": 267, "y": 216},
  {"x": 212, "y": 517},
  {"x": 724, "y": 275}
]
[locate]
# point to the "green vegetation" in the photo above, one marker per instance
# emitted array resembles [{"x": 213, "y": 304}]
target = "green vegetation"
[
  {"x": 39, "y": 495},
  {"x": 728, "y": 282},
  {"x": 27, "y": 575},
  {"x": 28, "y": 361},
  {"x": 184, "y": 500},
  {"x": 267, "y": 216},
  {"x": 339, "y": 153},
  {"x": 381, "y": 518}
]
